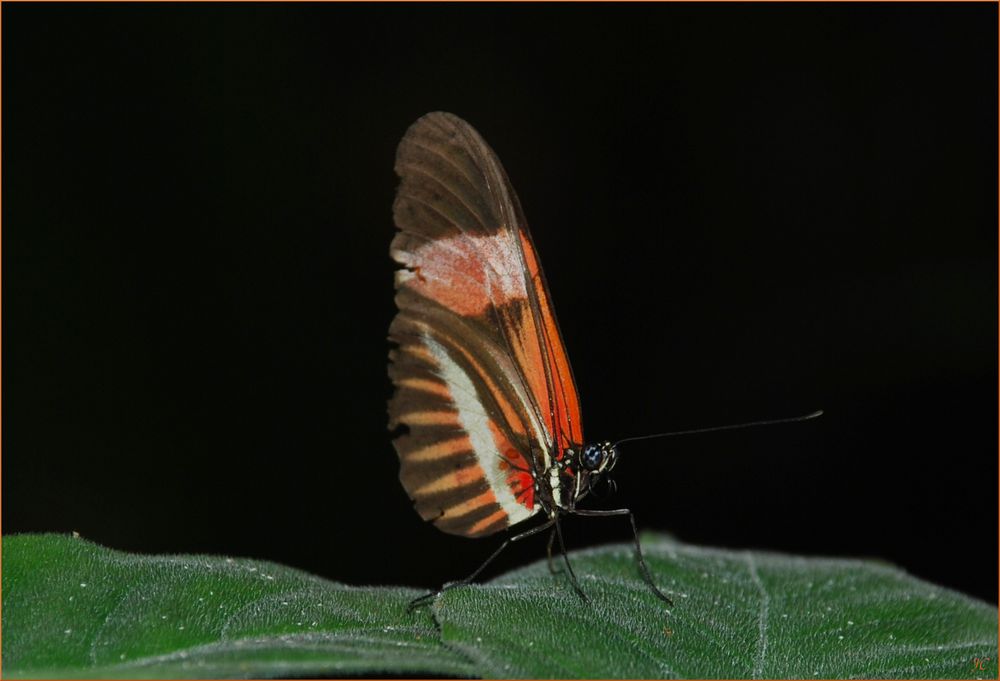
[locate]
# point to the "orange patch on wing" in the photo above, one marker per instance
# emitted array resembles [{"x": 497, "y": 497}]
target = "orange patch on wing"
[
  {"x": 459, "y": 478},
  {"x": 518, "y": 471},
  {"x": 487, "y": 521},
  {"x": 463, "y": 476},
  {"x": 441, "y": 417},
  {"x": 441, "y": 449},
  {"x": 419, "y": 350},
  {"x": 427, "y": 386},
  {"x": 510, "y": 415},
  {"x": 467, "y": 274},
  {"x": 470, "y": 505},
  {"x": 523, "y": 487},
  {"x": 566, "y": 402}
]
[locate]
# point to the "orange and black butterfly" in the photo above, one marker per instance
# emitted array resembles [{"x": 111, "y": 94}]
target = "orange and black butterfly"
[{"x": 486, "y": 409}]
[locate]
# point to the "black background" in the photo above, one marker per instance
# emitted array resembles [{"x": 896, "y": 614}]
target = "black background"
[{"x": 743, "y": 211}]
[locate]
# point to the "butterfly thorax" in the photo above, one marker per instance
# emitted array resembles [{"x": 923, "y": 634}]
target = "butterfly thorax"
[{"x": 574, "y": 473}]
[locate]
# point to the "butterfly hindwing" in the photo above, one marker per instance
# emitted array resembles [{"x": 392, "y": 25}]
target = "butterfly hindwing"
[{"x": 461, "y": 457}]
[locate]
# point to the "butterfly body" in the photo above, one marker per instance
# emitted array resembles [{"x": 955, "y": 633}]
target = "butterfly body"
[{"x": 485, "y": 412}]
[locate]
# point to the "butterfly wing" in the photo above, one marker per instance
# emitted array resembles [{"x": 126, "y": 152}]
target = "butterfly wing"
[{"x": 483, "y": 384}]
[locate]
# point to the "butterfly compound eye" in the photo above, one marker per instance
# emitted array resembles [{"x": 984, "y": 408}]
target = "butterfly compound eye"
[{"x": 592, "y": 457}]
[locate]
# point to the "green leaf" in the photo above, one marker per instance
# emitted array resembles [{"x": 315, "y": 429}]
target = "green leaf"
[
  {"x": 74, "y": 609},
  {"x": 735, "y": 614}
]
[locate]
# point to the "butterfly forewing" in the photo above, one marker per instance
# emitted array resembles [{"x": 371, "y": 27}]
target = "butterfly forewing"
[{"x": 483, "y": 384}]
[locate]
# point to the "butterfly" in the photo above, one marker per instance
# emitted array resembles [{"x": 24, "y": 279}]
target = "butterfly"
[{"x": 485, "y": 411}]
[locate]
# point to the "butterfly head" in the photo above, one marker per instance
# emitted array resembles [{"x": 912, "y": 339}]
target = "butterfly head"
[{"x": 599, "y": 457}]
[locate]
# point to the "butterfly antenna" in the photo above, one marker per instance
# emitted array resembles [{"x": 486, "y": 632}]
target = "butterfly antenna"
[{"x": 752, "y": 424}]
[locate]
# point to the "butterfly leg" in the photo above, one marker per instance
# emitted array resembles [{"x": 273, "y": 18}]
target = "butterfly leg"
[
  {"x": 594, "y": 513},
  {"x": 428, "y": 597},
  {"x": 569, "y": 568},
  {"x": 548, "y": 552}
]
